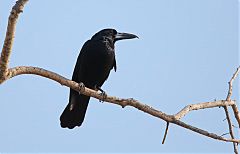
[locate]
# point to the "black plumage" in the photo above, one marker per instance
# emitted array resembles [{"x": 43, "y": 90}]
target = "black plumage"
[{"x": 94, "y": 63}]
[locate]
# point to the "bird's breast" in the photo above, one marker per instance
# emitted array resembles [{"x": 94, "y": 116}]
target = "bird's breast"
[
  {"x": 98, "y": 61},
  {"x": 103, "y": 54}
]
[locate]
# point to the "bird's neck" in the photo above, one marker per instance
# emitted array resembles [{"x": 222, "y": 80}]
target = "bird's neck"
[{"x": 108, "y": 42}]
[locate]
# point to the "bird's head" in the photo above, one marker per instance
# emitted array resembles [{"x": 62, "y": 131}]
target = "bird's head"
[{"x": 112, "y": 35}]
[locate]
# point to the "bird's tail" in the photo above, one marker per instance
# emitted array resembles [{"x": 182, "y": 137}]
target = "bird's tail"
[{"x": 73, "y": 115}]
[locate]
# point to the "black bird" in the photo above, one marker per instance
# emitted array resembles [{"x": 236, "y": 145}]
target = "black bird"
[{"x": 94, "y": 63}]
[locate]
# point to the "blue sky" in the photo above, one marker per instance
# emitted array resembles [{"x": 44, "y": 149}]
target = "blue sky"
[{"x": 186, "y": 54}]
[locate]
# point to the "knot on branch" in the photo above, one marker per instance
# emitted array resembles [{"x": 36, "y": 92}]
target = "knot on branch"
[
  {"x": 4, "y": 75},
  {"x": 18, "y": 7}
]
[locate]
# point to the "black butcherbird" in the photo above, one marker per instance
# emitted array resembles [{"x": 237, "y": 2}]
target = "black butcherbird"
[{"x": 94, "y": 63}]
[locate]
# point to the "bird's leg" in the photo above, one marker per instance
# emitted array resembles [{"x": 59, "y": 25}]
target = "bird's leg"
[{"x": 103, "y": 93}]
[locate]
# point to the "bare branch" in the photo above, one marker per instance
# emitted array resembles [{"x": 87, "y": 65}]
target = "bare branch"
[
  {"x": 203, "y": 132},
  {"x": 165, "y": 134},
  {"x": 126, "y": 102},
  {"x": 236, "y": 113},
  {"x": 224, "y": 134},
  {"x": 9, "y": 38},
  {"x": 230, "y": 127},
  {"x": 205, "y": 105},
  {"x": 234, "y": 107},
  {"x": 230, "y": 83}
]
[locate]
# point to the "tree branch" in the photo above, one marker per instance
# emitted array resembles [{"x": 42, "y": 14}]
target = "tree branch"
[
  {"x": 236, "y": 113},
  {"x": 9, "y": 38},
  {"x": 128, "y": 102},
  {"x": 198, "y": 106},
  {"x": 165, "y": 134},
  {"x": 230, "y": 83},
  {"x": 230, "y": 127},
  {"x": 234, "y": 107}
]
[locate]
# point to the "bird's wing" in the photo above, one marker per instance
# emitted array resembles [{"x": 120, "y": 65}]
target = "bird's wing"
[{"x": 78, "y": 70}]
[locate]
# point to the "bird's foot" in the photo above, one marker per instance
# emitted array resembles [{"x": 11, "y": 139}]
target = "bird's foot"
[
  {"x": 81, "y": 87},
  {"x": 103, "y": 94}
]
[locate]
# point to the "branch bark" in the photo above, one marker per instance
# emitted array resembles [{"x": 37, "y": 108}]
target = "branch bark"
[
  {"x": 9, "y": 38},
  {"x": 198, "y": 106},
  {"x": 234, "y": 107},
  {"x": 6, "y": 73},
  {"x": 230, "y": 126},
  {"x": 130, "y": 101},
  {"x": 230, "y": 129}
]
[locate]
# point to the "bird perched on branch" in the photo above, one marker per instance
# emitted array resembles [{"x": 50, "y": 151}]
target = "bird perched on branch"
[{"x": 94, "y": 63}]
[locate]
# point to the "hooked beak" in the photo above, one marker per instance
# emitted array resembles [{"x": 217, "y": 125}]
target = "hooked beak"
[{"x": 122, "y": 36}]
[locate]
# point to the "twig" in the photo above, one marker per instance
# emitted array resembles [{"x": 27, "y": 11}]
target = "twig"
[
  {"x": 224, "y": 134},
  {"x": 234, "y": 126},
  {"x": 234, "y": 107},
  {"x": 230, "y": 129},
  {"x": 198, "y": 106},
  {"x": 230, "y": 83},
  {"x": 235, "y": 113},
  {"x": 165, "y": 134}
]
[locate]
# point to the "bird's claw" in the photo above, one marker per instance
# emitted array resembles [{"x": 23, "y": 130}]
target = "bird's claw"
[
  {"x": 103, "y": 94},
  {"x": 81, "y": 87}
]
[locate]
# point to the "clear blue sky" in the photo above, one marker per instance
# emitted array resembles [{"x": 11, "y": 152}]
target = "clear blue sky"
[{"x": 187, "y": 52}]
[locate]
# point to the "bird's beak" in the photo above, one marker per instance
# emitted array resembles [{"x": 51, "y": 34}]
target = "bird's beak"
[{"x": 121, "y": 36}]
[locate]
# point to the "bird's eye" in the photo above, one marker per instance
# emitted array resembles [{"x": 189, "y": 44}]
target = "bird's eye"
[{"x": 114, "y": 32}]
